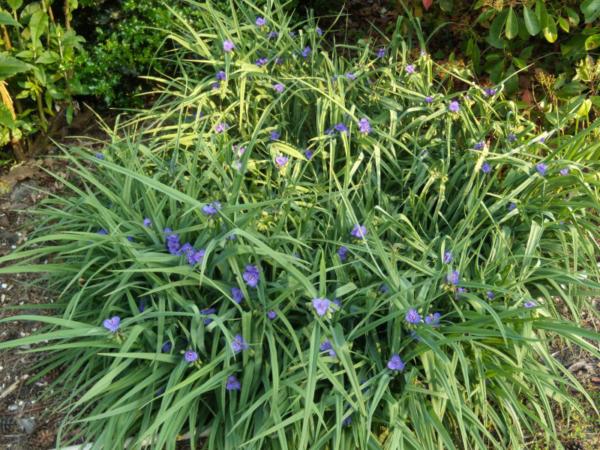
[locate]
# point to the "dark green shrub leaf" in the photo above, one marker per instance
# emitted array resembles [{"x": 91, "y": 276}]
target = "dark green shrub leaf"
[
  {"x": 446, "y": 5},
  {"x": 6, "y": 118},
  {"x": 590, "y": 10},
  {"x": 531, "y": 22},
  {"x": 15, "y": 4},
  {"x": 541, "y": 13},
  {"x": 7, "y": 19},
  {"x": 38, "y": 24},
  {"x": 550, "y": 32},
  {"x": 10, "y": 66},
  {"x": 512, "y": 24},
  {"x": 592, "y": 42},
  {"x": 563, "y": 24},
  {"x": 573, "y": 16},
  {"x": 494, "y": 36}
]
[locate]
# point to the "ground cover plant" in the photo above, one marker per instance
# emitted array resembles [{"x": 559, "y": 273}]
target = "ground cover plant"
[{"x": 297, "y": 249}]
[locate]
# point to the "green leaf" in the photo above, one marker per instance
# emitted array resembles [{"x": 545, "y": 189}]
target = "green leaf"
[
  {"x": 573, "y": 16},
  {"x": 550, "y": 32},
  {"x": 7, "y": 19},
  {"x": 531, "y": 21},
  {"x": 10, "y": 66},
  {"x": 38, "y": 24},
  {"x": 6, "y": 118},
  {"x": 15, "y": 4},
  {"x": 592, "y": 42},
  {"x": 563, "y": 24},
  {"x": 541, "y": 13},
  {"x": 446, "y": 5},
  {"x": 590, "y": 10},
  {"x": 494, "y": 36},
  {"x": 512, "y": 24}
]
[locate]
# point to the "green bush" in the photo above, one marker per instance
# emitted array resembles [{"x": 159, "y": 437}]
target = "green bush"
[
  {"x": 192, "y": 262},
  {"x": 37, "y": 53}
]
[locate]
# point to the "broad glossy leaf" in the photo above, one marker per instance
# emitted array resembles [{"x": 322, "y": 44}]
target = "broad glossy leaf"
[
  {"x": 512, "y": 24},
  {"x": 563, "y": 24},
  {"x": 15, "y": 4},
  {"x": 573, "y": 16},
  {"x": 590, "y": 10},
  {"x": 10, "y": 66},
  {"x": 531, "y": 21},
  {"x": 550, "y": 32},
  {"x": 592, "y": 42},
  {"x": 7, "y": 19}
]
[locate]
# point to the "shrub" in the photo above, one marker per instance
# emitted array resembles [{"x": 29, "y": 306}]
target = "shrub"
[
  {"x": 36, "y": 64},
  {"x": 298, "y": 249}
]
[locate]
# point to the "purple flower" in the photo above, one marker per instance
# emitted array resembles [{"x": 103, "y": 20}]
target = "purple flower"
[
  {"x": 233, "y": 384},
  {"x": 512, "y": 137},
  {"x": 228, "y": 46},
  {"x": 272, "y": 315},
  {"x": 321, "y": 305},
  {"x": 512, "y": 206},
  {"x": 488, "y": 92},
  {"x": 530, "y": 304},
  {"x": 350, "y": 76},
  {"x": 147, "y": 222},
  {"x": 327, "y": 347},
  {"x": 212, "y": 208},
  {"x": 459, "y": 292},
  {"x": 237, "y": 295},
  {"x": 272, "y": 34},
  {"x": 261, "y": 61},
  {"x": 541, "y": 168},
  {"x": 486, "y": 168},
  {"x": 166, "y": 347},
  {"x": 221, "y": 127},
  {"x": 342, "y": 252},
  {"x": 251, "y": 275},
  {"x": 281, "y": 161},
  {"x": 196, "y": 257},
  {"x": 447, "y": 258},
  {"x": 395, "y": 363},
  {"x": 141, "y": 305},
  {"x": 410, "y": 68},
  {"x": 347, "y": 421},
  {"x": 112, "y": 324},
  {"x": 384, "y": 289},
  {"x": 479, "y": 145},
  {"x": 173, "y": 244},
  {"x": 308, "y": 154},
  {"x": 100, "y": 155},
  {"x": 279, "y": 60},
  {"x": 381, "y": 52},
  {"x": 364, "y": 126},
  {"x": 190, "y": 356},
  {"x": 319, "y": 31},
  {"x": 359, "y": 231},
  {"x": 564, "y": 171},
  {"x": 216, "y": 85},
  {"x": 341, "y": 127},
  {"x": 306, "y": 51},
  {"x": 206, "y": 312},
  {"x": 221, "y": 75},
  {"x": 429, "y": 99},
  {"x": 454, "y": 106},
  {"x": 260, "y": 22},
  {"x": 490, "y": 295},
  {"x": 433, "y": 319},
  {"x": 412, "y": 316},
  {"x": 239, "y": 344},
  {"x": 279, "y": 87},
  {"x": 453, "y": 277},
  {"x": 103, "y": 232},
  {"x": 275, "y": 135}
]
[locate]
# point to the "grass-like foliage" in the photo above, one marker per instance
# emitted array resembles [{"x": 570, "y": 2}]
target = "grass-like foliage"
[{"x": 313, "y": 247}]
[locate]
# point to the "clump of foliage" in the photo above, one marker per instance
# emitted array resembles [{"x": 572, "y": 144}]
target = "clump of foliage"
[
  {"x": 300, "y": 248},
  {"x": 37, "y": 54}
]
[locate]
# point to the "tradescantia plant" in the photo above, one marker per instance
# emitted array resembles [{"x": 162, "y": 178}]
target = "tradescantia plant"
[{"x": 297, "y": 249}]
